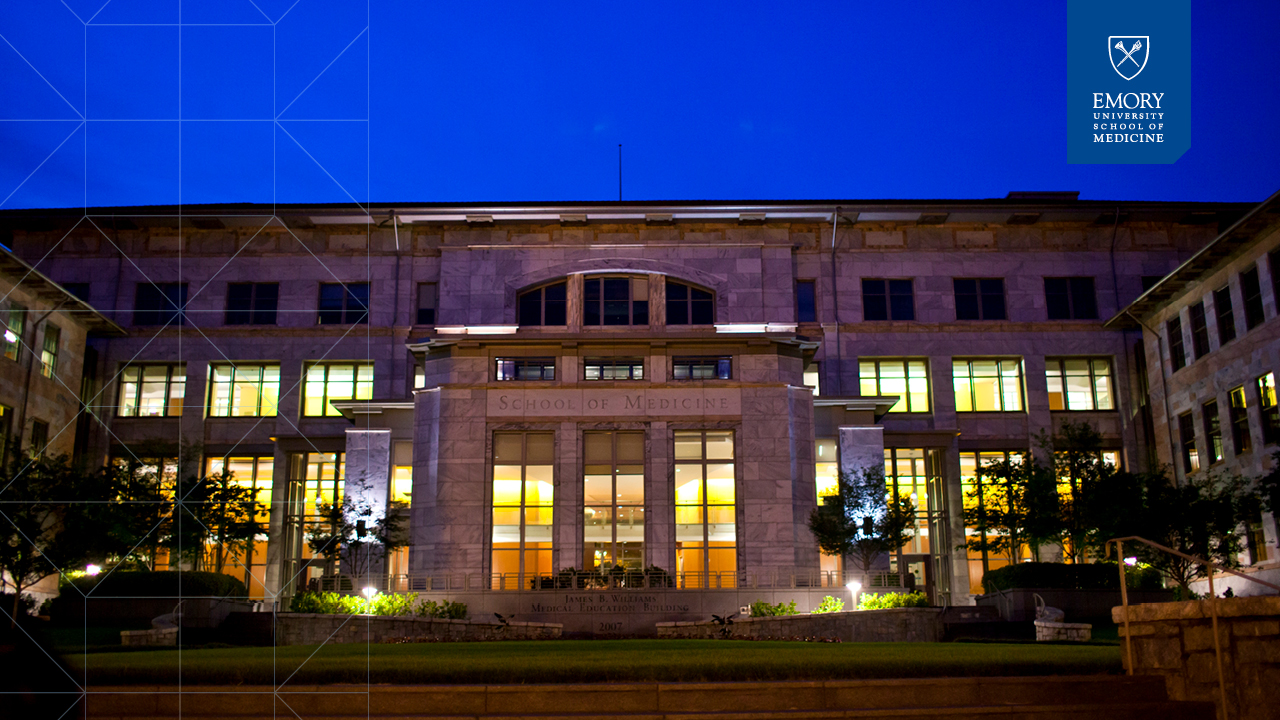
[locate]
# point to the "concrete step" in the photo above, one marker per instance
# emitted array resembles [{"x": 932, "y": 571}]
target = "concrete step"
[{"x": 1116, "y": 697}]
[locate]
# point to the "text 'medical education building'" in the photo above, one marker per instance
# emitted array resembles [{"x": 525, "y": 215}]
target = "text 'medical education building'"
[{"x": 646, "y": 385}]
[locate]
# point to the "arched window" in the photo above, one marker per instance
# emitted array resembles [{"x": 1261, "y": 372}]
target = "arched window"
[
  {"x": 688, "y": 305},
  {"x": 615, "y": 300},
  {"x": 543, "y": 305}
]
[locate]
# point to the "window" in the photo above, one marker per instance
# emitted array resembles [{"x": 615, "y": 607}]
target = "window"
[
  {"x": 979, "y": 298},
  {"x": 402, "y": 473},
  {"x": 616, "y": 301},
  {"x": 152, "y": 390},
  {"x": 247, "y": 560},
  {"x": 1070, "y": 298},
  {"x": 1177, "y": 353},
  {"x": 343, "y": 304},
  {"x": 1199, "y": 330},
  {"x": 324, "y": 383},
  {"x": 806, "y": 301},
  {"x": 1187, "y": 438},
  {"x": 613, "y": 369},
  {"x": 252, "y": 303},
  {"x": 545, "y": 305},
  {"x": 160, "y": 304},
  {"x": 1252, "y": 292},
  {"x": 706, "y": 524},
  {"x": 613, "y": 500},
  {"x": 419, "y": 376},
  {"x": 1212, "y": 431},
  {"x": 702, "y": 368},
  {"x": 890, "y": 300},
  {"x": 1239, "y": 421},
  {"x": 539, "y": 368},
  {"x": 426, "y": 304},
  {"x": 49, "y": 352},
  {"x": 1226, "y": 316},
  {"x": 987, "y": 385},
  {"x": 39, "y": 436},
  {"x": 812, "y": 377},
  {"x": 686, "y": 305},
  {"x": 243, "y": 390},
  {"x": 972, "y": 479},
  {"x": 1273, "y": 261},
  {"x": 79, "y": 289},
  {"x": 826, "y": 467},
  {"x": 13, "y": 333},
  {"x": 1079, "y": 383},
  {"x": 907, "y": 379},
  {"x": 906, "y": 478},
  {"x": 315, "y": 481},
  {"x": 1270, "y": 411},
  {"x": 523, "y": 487}
]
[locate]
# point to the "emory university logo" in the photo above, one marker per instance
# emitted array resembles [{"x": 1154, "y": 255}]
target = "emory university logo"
[{"x": 1129, "y": 62}]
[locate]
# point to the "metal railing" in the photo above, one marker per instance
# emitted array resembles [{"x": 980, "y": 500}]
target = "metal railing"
[
  {"x": 633, "y": 580},
  {"x": 1212, "y": 599}
]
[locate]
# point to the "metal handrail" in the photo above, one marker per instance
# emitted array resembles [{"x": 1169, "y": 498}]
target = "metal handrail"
[{"x": 1213, "y": 604}]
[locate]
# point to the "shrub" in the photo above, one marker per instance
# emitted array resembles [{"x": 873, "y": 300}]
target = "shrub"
[
  {"x": 829, "y": 605},
  {"x": 443, "y": 609},
  {"x": 893, "y": 600},
  {"x": 332, "y": 603},
  {"x": 760, "y": 608},
  {"x": 165, "y": 583},
  {"x": 392, "y": 605},
  {"x": 327, "y": 603},
  {"x": 1059, "y": 576}
]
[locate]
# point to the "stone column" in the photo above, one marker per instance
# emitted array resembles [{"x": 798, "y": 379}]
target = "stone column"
[
  {"x": 368, "y": 482},
  {"x": 657, "y": 300},
  {"x": 861, "y": 446},
  {"x": 659, "y": 500},
  {"x": 567, "y": 547},
  {"x": 573, "y": 304}
]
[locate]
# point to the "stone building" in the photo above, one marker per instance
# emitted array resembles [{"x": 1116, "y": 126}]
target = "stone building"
[
  {"x": 646, "y": 385},
  {"x": 1212, "y": 355}
]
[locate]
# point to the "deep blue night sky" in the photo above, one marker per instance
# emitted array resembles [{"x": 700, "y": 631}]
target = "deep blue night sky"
[{"x": 416, "y": 102}]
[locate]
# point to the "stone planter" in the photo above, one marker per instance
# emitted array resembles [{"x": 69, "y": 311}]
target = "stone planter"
[{"x": 1062, "y": 632}]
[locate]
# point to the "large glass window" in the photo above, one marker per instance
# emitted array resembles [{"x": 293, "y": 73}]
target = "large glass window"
[
  {"x": 523, "y": 488},
  {"x": 315, "y": 481},
  {"x": 252, "y": 303},
  {"x": 702, "y": 368},
  {"x": 13, "y": 331},
  {"x": 546, "y": 305},
  {"x": 1240, "y": 441},
  {"x": 343, "y": 304},
  {"x": 49, "y": 351},
  {"x": 706, "y": 525},
  {"x": 326, "y": 382},
  {"x": 243, "y": 390},
  {"x": 534, "y": 368},
  {"x": 1270, "y": 411},
  {"x": 615, "y": 301},
  {"x": 688, "y": 305},
  {"x": 247, "y": 561},
  {"x": 613, "y": 500},
  {"x": 971, "y": 482},
  {"x": 402, "y": 473},
  {"x": 987, "y": 385},
  {"x": 1070, "y": 298},
  {"x": 160, "y": 304},
  {"x": 979, "y": 298},
  {"x": 887, "y": 300},
  {"x": 1079, "y": 383},
  {"x": 152, "y": 390},
  {"x": 907, "y": 379},
  {"x": 907, "y": 479},
  {"x": 614, "y": 368}
]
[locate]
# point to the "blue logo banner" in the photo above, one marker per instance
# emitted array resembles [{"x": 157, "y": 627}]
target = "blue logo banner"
[{"x": 1128, "y": 81}]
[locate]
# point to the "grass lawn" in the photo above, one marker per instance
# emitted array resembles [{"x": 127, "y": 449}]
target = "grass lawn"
[{"x": 571, "y": 661}]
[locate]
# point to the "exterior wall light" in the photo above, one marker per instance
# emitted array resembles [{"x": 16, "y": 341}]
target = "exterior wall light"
[
  {"x": 92, "y": 569},
  {"x": 1131, "y": 561}
]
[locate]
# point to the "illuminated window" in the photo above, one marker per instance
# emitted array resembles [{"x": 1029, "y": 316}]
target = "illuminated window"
[
  {"x": 343, "y": 304},
  {"x": 1079, "y": 383},
  {"x": 324, "y": 383},
  {"x": 247, "y": 561},
  {"x": 613, "y": 500},
  {"x": 1239, "y": 421},
  {"x": 419, "y": 377},
  {"x": 613, "y": 369},
  {"x": 315, "y": 481},
  {"x": 1187, "y": 440},
  {"x": 906, "y": 379},
  {"x": 546, "y": 305},
  {"x": 539, "y": 368},
  {"x": 49, "y": 351},
  {"x": 523, "y": 487},
  {"x": 1270, "y": 412},
  {"x": 1177, "y": 351},
  {"x": 615, "y": 301},
  {"x": 402, "y": 473},
  {"x": 152, "y": 390},
  {"x": 988, "y": 385},
  {"x": 13, "y": 332},
  {"x": 702, "y": 368},
  {"x": 688, "y": 305},
  {"x": 907, "y": 479},
  {"x": 706, "y": 525},
  {"x": 971, "y": 483},
  {"x": 1212, "y": 431},
  {"x": 811, "y": 377},
  {"x": 243, "y": 390},
  {"x": 826, "y": 467}
]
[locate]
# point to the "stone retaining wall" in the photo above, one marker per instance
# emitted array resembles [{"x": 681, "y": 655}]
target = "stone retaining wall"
[
  {"x": 1175, "y": 640},
  {"x": 316, "y": 628},
  {"x": 154, "y": 636},
  {"x": 894, "y": 625}
]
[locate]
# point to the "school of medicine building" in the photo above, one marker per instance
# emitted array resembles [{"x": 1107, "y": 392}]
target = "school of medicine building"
[{"x": 657, "y": 385}]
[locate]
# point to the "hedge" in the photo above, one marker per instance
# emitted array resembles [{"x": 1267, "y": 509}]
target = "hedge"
[
  {"x": 1060, "y": 576},
  {"x": 165, "y": 583}
]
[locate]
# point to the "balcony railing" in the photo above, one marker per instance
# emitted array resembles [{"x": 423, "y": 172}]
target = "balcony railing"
[{"x": 636, "y": 580}]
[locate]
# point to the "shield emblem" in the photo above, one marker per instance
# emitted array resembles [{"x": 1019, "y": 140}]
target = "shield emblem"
[{"x": 1129, "y": 54}]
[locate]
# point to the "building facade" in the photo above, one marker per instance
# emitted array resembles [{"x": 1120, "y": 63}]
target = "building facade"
[{"x": 649, "y": 386}]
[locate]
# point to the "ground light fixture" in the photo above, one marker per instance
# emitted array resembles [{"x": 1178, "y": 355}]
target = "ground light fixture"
[
  {"x": 1131, "y": 561},
  {"x": 369, "y": 592},
  {"x": 92, "y": 569},
  {"x": 854, "y": 587}
]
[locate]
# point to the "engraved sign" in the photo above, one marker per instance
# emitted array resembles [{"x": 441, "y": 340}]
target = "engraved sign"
[{"x": 613, "y": 402}]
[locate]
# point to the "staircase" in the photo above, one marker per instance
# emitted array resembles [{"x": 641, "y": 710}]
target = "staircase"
[{"x": 1023, "y": 698}]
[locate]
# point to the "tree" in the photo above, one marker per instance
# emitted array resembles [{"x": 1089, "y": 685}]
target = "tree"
[
  {"x": 358, "y": 534},
  {"x": 1199, "y": 518},
  {"x": 1014, "y": 504},
  {"x": 50, "y": 521},
  {"x": 860, "y": 520},
  {"x": 1269, "y": 487},
  {"x": 214, "y": 520}
]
